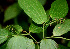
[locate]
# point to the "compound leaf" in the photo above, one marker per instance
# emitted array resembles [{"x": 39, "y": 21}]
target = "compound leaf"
[
  {"x": 34, "y": 10},
  {"x": 20, "y": 42},
  {"x": 48, "y": 44},
  {"x": 59, "y": 9},
  {"x": 3, "y": 35},
  {"x": 35, "y": 29},
  {"x": 11, "y": 12},
  {"x": 61, "y": 29}
]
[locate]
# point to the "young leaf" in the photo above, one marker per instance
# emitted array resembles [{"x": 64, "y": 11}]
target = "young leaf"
[
  {"x": 35, "y": 29},
  {"x": 3, "y": 35},
  {"x": 18, "y": 28},
  {"x": 34, "y": 9},
  {"x": 20, "y": 42},
  {"x": 59, "y": 9},
  {"x": 14, "y": 29},
  {"x": 42, "y": 1},
  {"x": 11, "y": 12},
  {"x": 61, "y": 29},
  {"x": 48, "y": 44}
]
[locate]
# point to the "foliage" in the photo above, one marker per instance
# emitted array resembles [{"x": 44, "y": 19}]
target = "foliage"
[{"x": 34, "y": 21}]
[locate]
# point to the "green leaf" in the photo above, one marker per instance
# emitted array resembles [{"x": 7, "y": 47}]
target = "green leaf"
[
  {"x": 35, "y": 29},
  {"x": 13, "y": 29},
  {"x": 47, "y": 13},
  {"x": 62, "y": 47},
  {"x": 11, "y": 12},
  {"x": 42, "y": 1},
  {"x": 20, "y": 42},
  {"x": 59, "y": 9},
  {"x": 61, "y": 29},
  {"x": 34, "y": 10},
  {"x": 18, "y": 29},
  {"x": 69, "y": 44},
  {"x": 48, "y": 44},
  {"x": 3, "y": 35}
]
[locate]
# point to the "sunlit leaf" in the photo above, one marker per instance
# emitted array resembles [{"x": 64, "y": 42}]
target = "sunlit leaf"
[
  {"x": 61, "y": 29},
  {"x": 34, "y": 10},
  {"x": 48, "y": 44},
  {"x": 59, "y": 9},
  {"x": 20, "y": 42},
  {"x": 3, "y": 35}
]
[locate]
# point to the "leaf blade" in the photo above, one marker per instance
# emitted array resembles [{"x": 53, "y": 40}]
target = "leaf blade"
[
  {"x": 34, "y": 10},
  {"x": 35, "y": 29},
  {"x": 59, "y": 9},
  {"x": 3, "y": 35},
  {"x": 61, "y": 29},
  {"x": 20, "y": 42},
  {"x": 48, "y": 44}
]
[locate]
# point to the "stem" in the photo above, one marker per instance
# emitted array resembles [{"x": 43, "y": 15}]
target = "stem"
[
  {"x": 32, "y": 37},
  {"x": 43, "y": 30},
  {"x": 51, "y": 22},
  {"x": 38, "y": 46},
  {"x": 58, "y": 37},
  {"x": 25, "y": 34}
]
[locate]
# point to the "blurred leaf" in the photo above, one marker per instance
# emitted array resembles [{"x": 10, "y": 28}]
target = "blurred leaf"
[
  {"x": 11, "y": 12},
  {"x": 61, "y": 29},
  {"x": 62, "y": 47},
  {"x": 20, "y": 42},
  {"x": 3, "y": 35},
  {"x": 35, "y": 29},
  {"x": 42, "y": 2},
  {"x": 48, "y": 44},
  {"x": 59, "y": 9},
  {"x": 69, "y": 44},
  {"x": 34, "y": 10}
]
